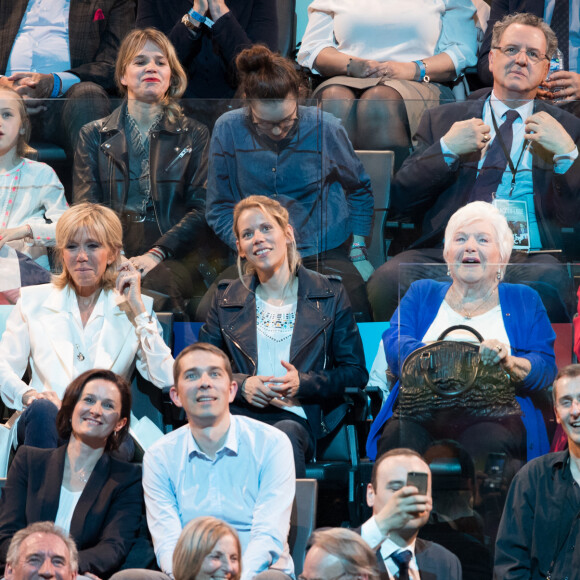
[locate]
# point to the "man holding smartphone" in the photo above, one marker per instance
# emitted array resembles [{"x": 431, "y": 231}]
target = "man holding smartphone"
[{"x": 400, "y": 497}]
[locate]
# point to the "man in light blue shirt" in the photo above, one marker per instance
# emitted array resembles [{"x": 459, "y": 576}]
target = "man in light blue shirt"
[{"x": 226, "y": 466}]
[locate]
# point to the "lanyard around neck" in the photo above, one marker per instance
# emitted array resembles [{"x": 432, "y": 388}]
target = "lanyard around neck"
[{"x": 525, "y": 144}]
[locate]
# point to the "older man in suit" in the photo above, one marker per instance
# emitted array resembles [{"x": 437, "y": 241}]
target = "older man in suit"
[
  {"x": 62, "y": 48},
  {"x": 562, "y": 15},
  {"x": 400, "y": 510},
  {"x": 505, "y": 146}
]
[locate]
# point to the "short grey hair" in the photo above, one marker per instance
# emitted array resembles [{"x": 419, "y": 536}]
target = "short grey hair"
[
  {"x": 481, "y": 211},
  {"x": 526, "y": 19},
  {"x": 351, "y": 550},
  {"x": 41, "y": 528}
]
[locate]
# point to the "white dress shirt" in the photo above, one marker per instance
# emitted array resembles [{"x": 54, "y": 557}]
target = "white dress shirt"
[
  {"x": 250, "y": 484},
  {"x": 42, "y": 42},
  {"x": 372, "y": 535}
]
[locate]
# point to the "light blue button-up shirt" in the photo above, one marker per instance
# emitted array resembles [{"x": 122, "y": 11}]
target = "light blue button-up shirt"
[
  {"x": 250, "y": 484},
  {"x": 42, "y": 42}
]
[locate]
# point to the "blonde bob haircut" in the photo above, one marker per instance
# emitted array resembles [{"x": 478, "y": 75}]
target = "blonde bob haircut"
[
  {"x": 22, "y": 147},
  {"x": 279, "y": 214},
  {"x": 197, "y": 540},
  {"x": 99, "y": 222},
  {"x": 130, "y": 48},
  {"x": 486, "y": 212}
]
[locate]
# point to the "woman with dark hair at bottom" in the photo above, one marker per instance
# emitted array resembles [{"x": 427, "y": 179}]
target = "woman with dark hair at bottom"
[{"x": 79, "y": 486}]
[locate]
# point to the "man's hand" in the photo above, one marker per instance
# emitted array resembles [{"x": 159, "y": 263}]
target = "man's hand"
[
  {"x": 403, "y": 506},
  {"x": 257, "y": 392},
  {"x": 543, "y": 129},
  {"x": 467, "y": 136},
  {"x": 33, "y": 85},
  {"x": 567, "y": 81}
]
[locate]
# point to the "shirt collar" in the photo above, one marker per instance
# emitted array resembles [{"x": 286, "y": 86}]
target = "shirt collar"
[
  {"x": 70, "y": 303},
  {"x": 499, "y": 108},
  {"x": 230, "y": 446},
  {"x": 388, "y": 548}
]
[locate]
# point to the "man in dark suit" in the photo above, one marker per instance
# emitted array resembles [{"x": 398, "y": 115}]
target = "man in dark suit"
[
  {"x": 542, "y": 175},
  {"x": 567, "y": 80},
  {"x": 400, "y": 510},
  {"x": 44, "y": 54}
]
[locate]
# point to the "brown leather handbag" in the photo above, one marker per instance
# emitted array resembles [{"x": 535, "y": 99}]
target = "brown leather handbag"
[{"x": 447, "y": 377}]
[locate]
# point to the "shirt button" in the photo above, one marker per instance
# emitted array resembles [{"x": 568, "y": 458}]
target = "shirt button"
[{"x": 273, "y": 170}]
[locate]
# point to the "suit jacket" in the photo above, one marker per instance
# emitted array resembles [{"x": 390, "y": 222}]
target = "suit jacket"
[
  {"x": 39, "y": 333},
  {"x": 107, "y": 516},
  {"x": 94, "y": 42},
  {"x": 499, "y": 8},
  {"x": 426, "y": 186},
  {"x": 434, "y": 561}
]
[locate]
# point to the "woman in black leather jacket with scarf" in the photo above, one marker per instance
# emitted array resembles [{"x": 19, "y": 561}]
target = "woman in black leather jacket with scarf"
[
  {"x": 148, "y": 162},
  {"x": 289, "y": 331}
]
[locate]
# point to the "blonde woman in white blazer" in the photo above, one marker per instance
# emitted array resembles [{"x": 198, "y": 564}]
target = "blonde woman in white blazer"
[{"x": 91, "y": 316}]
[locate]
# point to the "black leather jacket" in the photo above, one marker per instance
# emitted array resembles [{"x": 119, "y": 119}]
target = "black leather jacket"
[
  {"x": 326, "y": 346},
  {"x": 178, "y": 166}
]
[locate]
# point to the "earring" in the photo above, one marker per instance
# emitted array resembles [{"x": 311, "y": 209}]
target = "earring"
[
  {"x": 22, "y": 131},
  {"x": 448, "y": 272},
  {"x": 499, "y": 274}
]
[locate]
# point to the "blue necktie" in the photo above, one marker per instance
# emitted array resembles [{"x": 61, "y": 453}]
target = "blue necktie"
[
  {"x": 402, "y": 560},
  {"x": 495, "y": 162}
]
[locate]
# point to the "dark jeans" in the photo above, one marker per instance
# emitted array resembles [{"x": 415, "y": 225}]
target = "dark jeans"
[
  {"x": 479, "y": 437},
  {"x": 542, "y": 272},
  {"x": 295, "y": 427}
]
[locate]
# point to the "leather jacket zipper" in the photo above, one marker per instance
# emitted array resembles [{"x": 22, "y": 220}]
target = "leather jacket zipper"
[{"x": 186, "y": 151}]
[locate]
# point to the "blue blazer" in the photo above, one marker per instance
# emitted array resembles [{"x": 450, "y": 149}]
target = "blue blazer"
[
  {"x": 529, "y": 331},
  {"x": 107, "y": 516}
]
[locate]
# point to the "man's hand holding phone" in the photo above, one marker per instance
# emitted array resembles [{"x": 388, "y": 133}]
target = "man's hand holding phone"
[{"x": 406, "y": 504}]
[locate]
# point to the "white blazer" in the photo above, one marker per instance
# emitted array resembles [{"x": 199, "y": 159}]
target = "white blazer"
[{"x": 39, "y": 333}]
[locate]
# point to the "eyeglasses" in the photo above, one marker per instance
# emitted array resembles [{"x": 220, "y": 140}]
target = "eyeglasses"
[
  {"x": 534, "y": 56},
  {"x": 284, "y": 124}
]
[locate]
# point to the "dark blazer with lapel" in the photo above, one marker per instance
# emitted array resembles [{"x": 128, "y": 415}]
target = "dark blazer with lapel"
[
  {"x": 434, "y": 562},
  {"x": 499, "y": 8},
  {"x": 426, "y": 187},
  {"x": 106, "y": 518},
  {"x": 94, "y": 41}
]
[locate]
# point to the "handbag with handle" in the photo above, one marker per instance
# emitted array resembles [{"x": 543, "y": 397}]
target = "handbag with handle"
[{"x": 448, "y": 377}]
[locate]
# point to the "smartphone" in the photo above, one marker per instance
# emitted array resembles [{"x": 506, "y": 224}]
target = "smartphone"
[{"x": 419, "y": 480}]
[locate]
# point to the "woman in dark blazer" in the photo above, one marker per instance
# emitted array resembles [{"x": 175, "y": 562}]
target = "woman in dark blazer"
[{"x": 79, "y": 486}]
